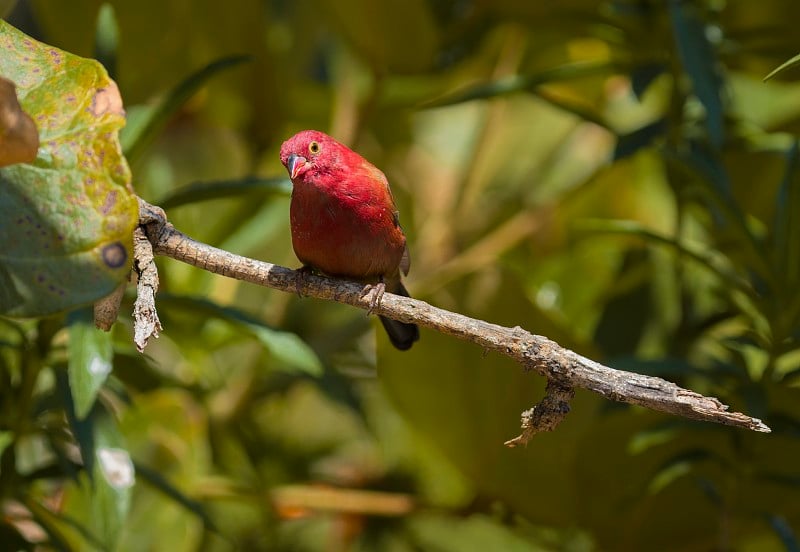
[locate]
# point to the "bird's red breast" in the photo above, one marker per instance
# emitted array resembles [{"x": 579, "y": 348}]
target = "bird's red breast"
[{"x": 343, "y": 218}]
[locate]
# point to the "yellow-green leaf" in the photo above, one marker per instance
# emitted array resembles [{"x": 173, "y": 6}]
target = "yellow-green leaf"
[
  {"x": 788, "y": 64},
  {"x": 67, "y": 219}
]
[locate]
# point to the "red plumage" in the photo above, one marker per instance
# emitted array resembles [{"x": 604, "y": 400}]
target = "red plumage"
[{"x": 343, "y": 218}]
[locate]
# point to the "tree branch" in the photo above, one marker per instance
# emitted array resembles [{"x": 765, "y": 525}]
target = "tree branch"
[{"x": 564, "y": 369}]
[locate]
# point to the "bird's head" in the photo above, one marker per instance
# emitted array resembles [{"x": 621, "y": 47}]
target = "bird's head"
[{"x": 307, "y": 150}]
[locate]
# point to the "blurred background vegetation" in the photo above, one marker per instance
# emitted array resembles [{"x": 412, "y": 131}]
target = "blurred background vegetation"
[{"x": 615, "y": 175}]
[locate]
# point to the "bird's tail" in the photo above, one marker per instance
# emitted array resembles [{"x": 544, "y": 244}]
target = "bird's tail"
[{"x": 401, "y": 334}]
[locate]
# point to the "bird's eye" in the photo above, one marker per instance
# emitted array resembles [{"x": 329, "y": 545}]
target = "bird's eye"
[{"x": 313, "y": 147}]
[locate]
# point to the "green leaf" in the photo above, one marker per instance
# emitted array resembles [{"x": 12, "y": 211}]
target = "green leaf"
[
  {"x": 104, "y": 491},
  {"x": 575, "y": 108},
  {"x": 782, "y": 479},
  {"x": 44, "y": 518},
  {"x": 786, "y": 225},
  {"x": 628, "y": 144},
  {"x": 649, "y": 438},
  {"x": 138, "y": 372},
  {"x": 113, "y": 482},
  {"x": 710, "y": 490},
  {"x": 135, "y": 138},
  {"x": 676, "y": 467},
  {"x": 786, "y": 65},
  {"x": 642, "y": 76},
  {"x": 622, "y": 322},
  {"x": 705, "y": 169},
  {"x": 696, "y": 253},
  {"x": 82, "y": 429},
  {"x": 708, "y": 164},
  {"x": 91, "y": 354},
  {"x": 472, "y": 534},
  {"x": 699, "y": 62},
  {"x": 106, "y": 481},
  {"x": 381, "y": 31},
  {"x": 6, "y": 438},
  {"x": 160, "y": 482},
  {"x": 66, "y": 220},
  {"x": 55, "y": 522},
  {"x": 784, "y": 530},
  {"x": 106, "y": 39},
  {"x": 288, "y": 349},
  {"x": 522, "y": 83},
  {"x": 204, "y": 191}
]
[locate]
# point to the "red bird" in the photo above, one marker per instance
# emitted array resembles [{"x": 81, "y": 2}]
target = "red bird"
[{"x": 344, "y": 220}]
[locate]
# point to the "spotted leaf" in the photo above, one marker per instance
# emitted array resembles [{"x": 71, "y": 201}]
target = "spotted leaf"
[{"x": 67, "y": 218}]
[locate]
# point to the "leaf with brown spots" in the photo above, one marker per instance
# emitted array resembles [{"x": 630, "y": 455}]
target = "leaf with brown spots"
[{"x": 67, "y": 217}]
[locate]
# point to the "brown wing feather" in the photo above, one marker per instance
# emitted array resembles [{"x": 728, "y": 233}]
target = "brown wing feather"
[{"x": 405, "y": 261}]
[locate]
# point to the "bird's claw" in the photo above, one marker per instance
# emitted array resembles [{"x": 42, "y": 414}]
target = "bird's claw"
[{"x": 377, "y": 291}]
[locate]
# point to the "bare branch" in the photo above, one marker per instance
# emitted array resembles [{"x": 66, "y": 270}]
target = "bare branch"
[{"x": 563, "y": 368}]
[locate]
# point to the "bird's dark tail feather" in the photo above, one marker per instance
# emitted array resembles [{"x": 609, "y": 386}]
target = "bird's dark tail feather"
[{"x": 401, "y": 334}]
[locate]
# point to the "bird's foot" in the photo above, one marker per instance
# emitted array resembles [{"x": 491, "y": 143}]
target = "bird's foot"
[
  {"x": 302, "y": 279},
  {"x": 377, "y": 291}
]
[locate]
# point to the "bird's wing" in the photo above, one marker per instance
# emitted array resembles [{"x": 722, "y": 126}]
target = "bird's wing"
[{"x": 405, "y": 261}]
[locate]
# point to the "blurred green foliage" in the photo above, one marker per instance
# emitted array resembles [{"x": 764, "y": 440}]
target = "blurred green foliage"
[{"x": 615, "y": 175}]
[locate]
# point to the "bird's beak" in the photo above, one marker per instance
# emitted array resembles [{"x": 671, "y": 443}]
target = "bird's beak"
[{"x": 294, "y": 164}]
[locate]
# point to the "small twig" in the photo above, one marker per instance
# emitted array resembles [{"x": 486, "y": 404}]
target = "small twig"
[
  {"x": 145, "y": 317},
  {"x": 566, "y": 368},
  {"x": 546, "y": 415}
]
